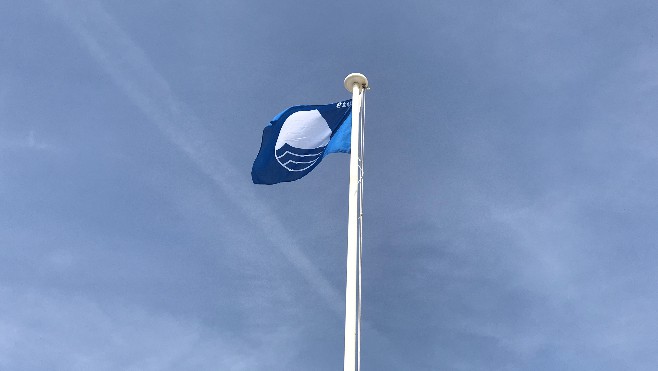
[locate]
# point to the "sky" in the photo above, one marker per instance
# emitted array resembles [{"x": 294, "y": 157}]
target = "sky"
[{"x": 510, "y": 199}]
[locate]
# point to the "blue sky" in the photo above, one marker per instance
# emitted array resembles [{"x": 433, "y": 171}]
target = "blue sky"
[{"x": 510, "y": 190}]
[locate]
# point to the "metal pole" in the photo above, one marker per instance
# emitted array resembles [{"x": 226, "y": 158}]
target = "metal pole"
[{"x": 356, "y": 83}]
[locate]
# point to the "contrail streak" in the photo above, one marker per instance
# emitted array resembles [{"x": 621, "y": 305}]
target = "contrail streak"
[{"x": 131, "y": 70}]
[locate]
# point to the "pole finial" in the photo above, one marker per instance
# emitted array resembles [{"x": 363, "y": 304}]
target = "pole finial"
[{"x": 355, "y": 78}]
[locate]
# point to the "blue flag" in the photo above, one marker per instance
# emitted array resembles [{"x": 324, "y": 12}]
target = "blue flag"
[{"x": 297, "y": 139}]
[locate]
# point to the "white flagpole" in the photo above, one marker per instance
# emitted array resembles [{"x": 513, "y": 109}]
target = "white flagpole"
[{"x": 356, "y": 83}]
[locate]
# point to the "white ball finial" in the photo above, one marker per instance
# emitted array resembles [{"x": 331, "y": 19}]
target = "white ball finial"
[{"x": 355, "y": 78}]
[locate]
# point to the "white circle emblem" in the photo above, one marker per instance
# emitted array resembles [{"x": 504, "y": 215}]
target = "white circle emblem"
[{"x": 301, "y": 140}]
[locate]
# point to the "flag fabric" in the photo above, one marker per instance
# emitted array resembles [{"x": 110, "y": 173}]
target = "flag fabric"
[{"x": 297, "y": 139}]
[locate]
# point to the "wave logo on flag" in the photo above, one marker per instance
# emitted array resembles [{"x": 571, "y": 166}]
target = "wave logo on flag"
[
  {"x": 302, "y": 140},
  {"x": 298, "y": 138}
]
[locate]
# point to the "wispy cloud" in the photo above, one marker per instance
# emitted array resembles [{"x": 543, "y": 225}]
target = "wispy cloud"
[
  {"x": 131, "y": 70},
  {"x": 78, "y": 334},
  {"x": 28, "y": 141}
]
